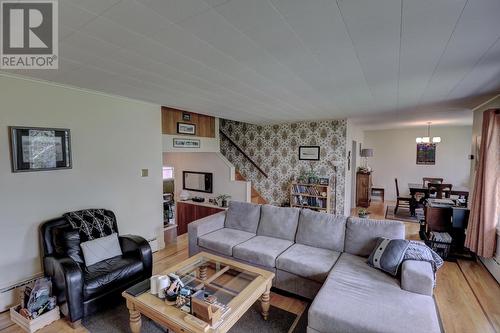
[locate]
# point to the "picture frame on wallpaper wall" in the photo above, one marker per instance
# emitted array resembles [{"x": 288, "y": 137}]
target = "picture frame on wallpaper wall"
[
  {"x": 185, "y": 128},
  {"x": 186, "y": 143},
  {"x": 309, "y": 153},
  {"x": 39, "y": 148}
]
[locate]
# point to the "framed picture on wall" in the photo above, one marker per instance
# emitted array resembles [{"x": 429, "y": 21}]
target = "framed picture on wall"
[
  {"x": 309, "y": 153},
  {"x": 426, "y": 153},
  {"x": 39, "y": 149},
  {"x": 186, "y": 116},
  {"x": 186, "y": 143},
  {"x": 184, "y": 128}
]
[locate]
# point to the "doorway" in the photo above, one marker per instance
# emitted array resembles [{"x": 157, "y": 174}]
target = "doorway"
[{"x": 168, "y": 196}]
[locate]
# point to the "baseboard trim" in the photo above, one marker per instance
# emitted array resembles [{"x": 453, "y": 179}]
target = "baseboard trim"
[{"x": 493, "y": 266}]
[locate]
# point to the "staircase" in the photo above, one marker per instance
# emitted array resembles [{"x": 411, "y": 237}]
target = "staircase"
[{"x": 255, "y": 196}]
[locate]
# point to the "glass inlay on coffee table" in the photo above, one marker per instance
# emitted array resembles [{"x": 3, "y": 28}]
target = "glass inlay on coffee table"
[{"x": 224, "y": 286}]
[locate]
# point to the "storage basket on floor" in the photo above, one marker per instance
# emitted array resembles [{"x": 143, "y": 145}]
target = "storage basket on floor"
[{"x": 32, "y": 325}]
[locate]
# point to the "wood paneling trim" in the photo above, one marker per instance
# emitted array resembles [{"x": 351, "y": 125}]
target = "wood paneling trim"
[
  {"x": 205, "y": 125},
  {"x": 187, "y": 212}
]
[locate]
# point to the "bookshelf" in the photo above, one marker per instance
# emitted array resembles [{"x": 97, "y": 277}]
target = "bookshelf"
[{"x": 313, "y": 196}]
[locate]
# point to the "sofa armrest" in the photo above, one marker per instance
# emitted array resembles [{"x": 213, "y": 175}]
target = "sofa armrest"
[
  {"x": 417, "y": 277},
  {"x": 202, "y": 227},
  {"x": 139, "y": 247},
  {"x": 67, "y": 278}
]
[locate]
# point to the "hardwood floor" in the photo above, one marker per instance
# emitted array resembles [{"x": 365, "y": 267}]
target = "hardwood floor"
[{"x": 467, "y": 296}]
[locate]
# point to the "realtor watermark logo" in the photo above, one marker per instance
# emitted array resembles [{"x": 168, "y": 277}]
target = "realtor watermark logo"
[{"x": 29, "y": 34}]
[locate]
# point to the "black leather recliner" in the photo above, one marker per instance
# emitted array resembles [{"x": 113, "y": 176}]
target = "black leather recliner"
[{"x": 82, "y": 290}]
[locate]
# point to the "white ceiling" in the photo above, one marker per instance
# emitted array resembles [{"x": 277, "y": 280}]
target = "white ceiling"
[{"x": 398, "y": 62}]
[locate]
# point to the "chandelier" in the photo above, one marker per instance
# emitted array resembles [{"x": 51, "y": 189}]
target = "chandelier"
[{"x": 428, "y": 138}]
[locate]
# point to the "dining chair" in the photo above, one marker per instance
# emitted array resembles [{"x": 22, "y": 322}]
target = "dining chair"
[
  {"x": 401, "y": 200},
  {"x": 431, "y": 180},
  {"x": 439, "y": 191}
]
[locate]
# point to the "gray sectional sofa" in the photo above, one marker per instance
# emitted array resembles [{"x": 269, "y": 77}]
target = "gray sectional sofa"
[{"x": 323, "y": 257}]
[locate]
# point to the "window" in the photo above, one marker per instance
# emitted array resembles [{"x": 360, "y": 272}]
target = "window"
[{"x": 168, "y": 172}]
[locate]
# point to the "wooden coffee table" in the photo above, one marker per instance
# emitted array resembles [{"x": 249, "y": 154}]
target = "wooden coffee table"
[{"x": 235, "y": 284}]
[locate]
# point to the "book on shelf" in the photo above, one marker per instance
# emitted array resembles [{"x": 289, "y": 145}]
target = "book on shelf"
[
  {"x": 310, "y": 201},
  {"x": 304, "y": 189}
]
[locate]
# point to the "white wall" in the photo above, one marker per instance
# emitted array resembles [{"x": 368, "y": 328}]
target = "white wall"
[
  {"x": 207, "y": 145},
  {"x": 113, "y": 138},
  {"x": 222, "y": 169},
  {"x": 395, "y": 156}
]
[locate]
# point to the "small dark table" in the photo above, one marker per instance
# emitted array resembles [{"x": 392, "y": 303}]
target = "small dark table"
[{"x": 419, "y": 188}]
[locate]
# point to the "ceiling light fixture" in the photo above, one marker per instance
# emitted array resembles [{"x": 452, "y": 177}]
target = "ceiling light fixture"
[{"x": 428, "y": 138}]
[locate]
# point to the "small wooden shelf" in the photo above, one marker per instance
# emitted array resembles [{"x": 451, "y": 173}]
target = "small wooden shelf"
[{"x": 296, "y": 196}]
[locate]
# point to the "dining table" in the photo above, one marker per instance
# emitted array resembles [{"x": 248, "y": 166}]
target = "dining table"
[{"x": 419, "y": 188}]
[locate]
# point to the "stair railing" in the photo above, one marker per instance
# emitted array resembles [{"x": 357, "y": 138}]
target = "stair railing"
[{"x": 243, "y": 153}]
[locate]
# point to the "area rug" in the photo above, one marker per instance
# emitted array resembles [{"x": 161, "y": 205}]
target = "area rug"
[
  {"x": 116, "y": 320},
  {"x": 403, "y": 214}
]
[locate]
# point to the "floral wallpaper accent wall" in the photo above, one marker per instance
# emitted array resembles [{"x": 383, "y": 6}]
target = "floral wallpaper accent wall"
[{"x": 275, "y": 149}]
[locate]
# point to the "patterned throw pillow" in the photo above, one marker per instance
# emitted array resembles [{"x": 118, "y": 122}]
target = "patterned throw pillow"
[
  {"x": 92, "y": 223},
  {"x": 388, "y": 254}
]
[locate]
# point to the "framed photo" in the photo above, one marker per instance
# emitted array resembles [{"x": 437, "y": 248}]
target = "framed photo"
[
  {"x": 324, "y": 181},
  {"x": 309, "y": 153},
  {"x": 39, "y": 149},
  {"x": 186, "y": 143},
  {"x": 426, "y": 153},
  {"x": 186, "y": 116},
  {"x": 184, "y": 128}
]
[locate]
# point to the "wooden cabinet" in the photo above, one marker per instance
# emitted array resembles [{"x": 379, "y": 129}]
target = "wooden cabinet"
[
  {"x": 363, "y": 189},
  {"x": 188, "y": 212}
]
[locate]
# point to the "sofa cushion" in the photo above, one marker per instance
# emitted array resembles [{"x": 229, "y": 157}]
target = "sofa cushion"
[
  {"x": 243, "y": 216},
  {"x": 353, "y": 288},
  {"x": 361, "y": 234},
  {"x": 223, "y": 240},
  {"x": 307, "y": 261},
  {"x": 322, "y": 230},
  {"x": 278, "y": 222},
  {"x": 100, "y": 249},
  {"x": 388, "y": 254},
  {"x": 261, "y": 250},
  {"x": 109, "y": 274}
]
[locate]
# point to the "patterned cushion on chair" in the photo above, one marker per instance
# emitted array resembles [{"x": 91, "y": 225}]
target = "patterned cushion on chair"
[{"x": 92, "y": 223}]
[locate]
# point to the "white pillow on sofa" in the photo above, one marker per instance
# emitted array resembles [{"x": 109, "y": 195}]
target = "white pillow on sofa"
[{"x": 100, "y": 249}]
